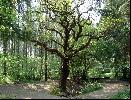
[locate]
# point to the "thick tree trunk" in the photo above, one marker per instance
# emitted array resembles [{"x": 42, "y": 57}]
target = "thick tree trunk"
[{"x": 64, "y": 75}]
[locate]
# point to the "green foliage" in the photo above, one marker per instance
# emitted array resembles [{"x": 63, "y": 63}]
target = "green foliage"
[
  {"x": 94, "y": 72},
  {"x": 53, "y": 67},
  {"x": 3, "y": 96},
  {"x": 55, "y": 91},
  {"x": 114, "y": 49},
  {"x": 101, "y": 72},
  {"x": 125, "y": 94},
  {"x": 24, "y": 68},
  {"x": 91, "y": 87},
  {"x": 6, "y": 79},
  {"x": 7, "y": 17},
  {"x": 110, "y": 75}
]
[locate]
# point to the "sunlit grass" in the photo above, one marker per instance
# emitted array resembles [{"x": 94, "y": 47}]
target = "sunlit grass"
[
  {"x": 6, "y": 79},
  {"x": 3, "y": 96},
  {"x": 125, "y": 94},
  {"x": 91, "y": 87}
]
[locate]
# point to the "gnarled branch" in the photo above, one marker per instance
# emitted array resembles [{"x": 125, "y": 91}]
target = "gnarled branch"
[
  {"x": 51, "y": 50},
  {"x": 57, "y": 42},
  {"x": 52, "y": 29},
  {"x": 86, "y": 44}
]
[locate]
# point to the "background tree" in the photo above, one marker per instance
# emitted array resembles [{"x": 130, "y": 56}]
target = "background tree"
[
  {"x": 7, "y": 17},
  {"x": 116, "y": 21}
]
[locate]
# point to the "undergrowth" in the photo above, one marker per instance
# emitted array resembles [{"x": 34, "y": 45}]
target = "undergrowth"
[
  {"x": 90, "y": 87},
  {"x": 124, "y": 94}
]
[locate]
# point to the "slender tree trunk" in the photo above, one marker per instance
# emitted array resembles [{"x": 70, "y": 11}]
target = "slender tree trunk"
[
  {"x": 18, "y": 58},
  {"x": 45, "y": 50},
  {"x": 64, "y": 75},
  {"x": 124, "y": 71},
  {"x": 45, "y": 65},
  {"x": 116, "y": 74},
  {"x": 116, "y": 68},
  {"x": 84, "y": 77},
  {"x": 84, "y": 73},
  {"x": 5, "y": 54},
  {"x": 41, "y": 62}
]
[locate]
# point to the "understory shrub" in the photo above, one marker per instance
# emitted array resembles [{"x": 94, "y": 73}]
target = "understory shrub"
[
  {"x": 125, "y": 94},
  {"x": 55, "y": 91},
  {"x": 6, "y": 79},
  {"x": 3, "y": 96},
  {"x": 91, "y": 87}
]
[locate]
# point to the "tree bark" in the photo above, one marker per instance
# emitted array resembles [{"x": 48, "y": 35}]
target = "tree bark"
[{"x": 64, "y": 74}]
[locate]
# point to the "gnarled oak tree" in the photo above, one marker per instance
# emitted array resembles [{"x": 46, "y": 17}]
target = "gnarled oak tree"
[{"x": 66, "y": 20}]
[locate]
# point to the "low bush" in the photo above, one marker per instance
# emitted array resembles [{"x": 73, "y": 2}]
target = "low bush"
[
  {"x": 91, "y": 87},
  {"x": 55, "y": 91},
  {"x": 3, "y": 96},
  {"x": 125, "y": 94},
  {"x": 6, "y": 79}
]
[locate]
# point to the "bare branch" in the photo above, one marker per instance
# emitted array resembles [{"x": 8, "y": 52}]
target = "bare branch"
[
  {"x": 57, "y": 43},
  {"x": 86, "y": 44},
  {"x": 73, "y": 23},
  {"x": 93, "y": 37},
  {"x": 54, "y": 19},
  {"x": 79, "y": 32},
  {"x": 83, "y": 46},
  {"x": 52, "y": 29},
  {"x": 78, "y": 5},
  {"x": 79, "y": 21},
  {"x": 73, "y": 33},
  {"x": 49, "y": 49}
]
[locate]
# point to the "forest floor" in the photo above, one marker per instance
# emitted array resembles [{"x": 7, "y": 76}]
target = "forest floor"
[
  {"x": 110, "y": 88},
  {"x": 41, "y": 90}
]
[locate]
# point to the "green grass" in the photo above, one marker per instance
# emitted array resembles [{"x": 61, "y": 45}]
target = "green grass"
[
  {"x": 55, "y": 91},
  {"x": 3, "y": 96},
  {"x": 125, "y": 94},
  {"x": 91, "y": 87},
  {"x": 6, "y": 79}
]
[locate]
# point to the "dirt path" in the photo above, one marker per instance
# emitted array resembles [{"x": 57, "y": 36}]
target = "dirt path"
[
  {"x": 29, "y": 91},
  {"x": 41, "y": 91},
  {"x": 109, "y": 89}
]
